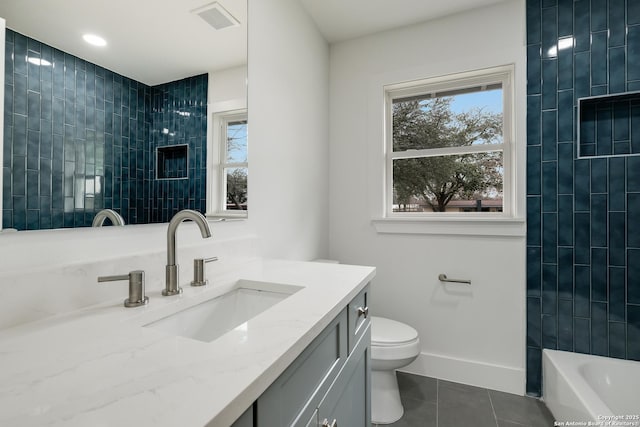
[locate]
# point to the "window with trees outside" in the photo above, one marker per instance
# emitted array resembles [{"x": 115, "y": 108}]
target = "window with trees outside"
[
  {"x": 234, "y": 165},
  {"x": 448, "y": 143}
]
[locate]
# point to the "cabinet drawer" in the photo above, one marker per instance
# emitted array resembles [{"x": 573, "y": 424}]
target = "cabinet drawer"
[
  {"x": 348, "y": 401},
  {"x": 313, "y": 421},
  {"x": 358, "y": 317},
  {"x": 293, "y": 397}
]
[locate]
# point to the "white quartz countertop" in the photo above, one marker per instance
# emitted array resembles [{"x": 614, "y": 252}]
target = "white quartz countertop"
[{"x": 100, "y": 366}]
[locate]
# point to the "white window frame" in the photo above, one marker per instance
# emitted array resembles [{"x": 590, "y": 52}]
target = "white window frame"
[
  {"x": 217, "y": 199},
  {"x": 502, "y": 75}
]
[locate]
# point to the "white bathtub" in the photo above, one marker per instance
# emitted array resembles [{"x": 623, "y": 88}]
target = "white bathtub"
[{"x": 581, "y": 387}]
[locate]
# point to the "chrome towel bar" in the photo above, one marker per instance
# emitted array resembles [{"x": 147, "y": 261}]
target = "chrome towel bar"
[{"x": 443, "y": 278}]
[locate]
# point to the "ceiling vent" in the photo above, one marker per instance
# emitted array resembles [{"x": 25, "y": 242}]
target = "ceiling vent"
[{"x": 216, "y": 16}]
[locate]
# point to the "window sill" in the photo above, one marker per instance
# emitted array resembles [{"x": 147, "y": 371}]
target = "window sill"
[
  {"x": 226, "y": 216},
  {"x": 491, "y": 226}
]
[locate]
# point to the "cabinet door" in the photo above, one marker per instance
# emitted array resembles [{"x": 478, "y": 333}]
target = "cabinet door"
[
  {"x": 313, "y": 421},
  {"x": 348, "y": 401},
  {"x": 295, "y": 395},
  {"x": 246, "y": 419},
  {"x": 358, "y": 317}
]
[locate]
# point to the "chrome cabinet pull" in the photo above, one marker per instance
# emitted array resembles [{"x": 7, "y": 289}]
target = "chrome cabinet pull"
[
  {"x": 363, "y": 311},
  {"x": 325, "y": 423}
]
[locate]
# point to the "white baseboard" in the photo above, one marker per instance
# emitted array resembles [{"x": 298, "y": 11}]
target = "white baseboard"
[{"x": 471, "y": 372}]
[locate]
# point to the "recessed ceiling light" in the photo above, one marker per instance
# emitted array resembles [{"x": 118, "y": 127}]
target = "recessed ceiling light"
[{"x": 94, "y": 40}]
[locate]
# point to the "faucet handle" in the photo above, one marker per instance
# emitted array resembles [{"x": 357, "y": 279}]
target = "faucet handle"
[
  {"x": 199, "y": 271},
  {"x": 136, "y": 287}
]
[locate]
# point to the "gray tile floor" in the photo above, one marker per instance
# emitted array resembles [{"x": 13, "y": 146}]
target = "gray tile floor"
[{"x": 429, "y": 402}]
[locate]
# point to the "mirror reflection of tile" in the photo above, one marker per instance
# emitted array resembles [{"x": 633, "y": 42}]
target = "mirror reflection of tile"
[{"x": 80, "y": 138}]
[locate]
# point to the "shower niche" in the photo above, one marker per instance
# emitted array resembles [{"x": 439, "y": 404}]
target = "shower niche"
[
  {"x": 609, "y": 125},
  {"x": 172, "y": 162}
]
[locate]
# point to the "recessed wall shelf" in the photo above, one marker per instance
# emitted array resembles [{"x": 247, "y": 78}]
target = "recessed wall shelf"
[
  {"x": 609, "y": 125},
  {"x": 172, "y": 162}
]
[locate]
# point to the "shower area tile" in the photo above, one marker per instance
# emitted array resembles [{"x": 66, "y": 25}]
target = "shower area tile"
[{"x": 583, "y": 173}]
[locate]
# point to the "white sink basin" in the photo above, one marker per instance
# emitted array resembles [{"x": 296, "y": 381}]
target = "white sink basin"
[{"x": 230, "y": 311}]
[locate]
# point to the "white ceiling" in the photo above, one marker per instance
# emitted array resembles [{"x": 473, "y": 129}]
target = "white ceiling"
[
  {"x": 340, "y": 20},
  {"x": 158, "y": 41},
  {"x": 152, "y": 41}
]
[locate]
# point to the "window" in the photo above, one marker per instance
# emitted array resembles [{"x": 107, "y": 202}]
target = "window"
[
  {"x": 232, "y": 171},
  {"x": 448, "y": 146}
]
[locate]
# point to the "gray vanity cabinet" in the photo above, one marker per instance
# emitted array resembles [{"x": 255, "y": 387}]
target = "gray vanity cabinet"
[
  {"x": 246, "y": 419},
  {"x": 295, "y": 395},
  {"x": 348, "y": 401},
  {"x": 329, "y": 381}
]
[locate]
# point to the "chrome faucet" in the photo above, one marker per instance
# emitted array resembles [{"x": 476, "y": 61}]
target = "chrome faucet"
[
  {"x": 172, "y": 285},
  {"x": 114, "y": 216}
]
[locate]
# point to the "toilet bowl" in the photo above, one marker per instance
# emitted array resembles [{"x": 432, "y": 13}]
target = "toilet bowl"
[{"x": 393, "y": 346}]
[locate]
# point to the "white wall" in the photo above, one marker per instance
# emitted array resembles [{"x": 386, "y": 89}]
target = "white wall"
[
  {"x": 227, "y": 90},
  {"x": 288, "y": 130},
  {"x": 471, "y": 334},
  {"x": 2, "y": 43}
]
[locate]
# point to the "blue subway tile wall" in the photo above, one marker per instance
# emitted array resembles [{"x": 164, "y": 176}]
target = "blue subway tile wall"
[
  {"x": 79, "y": 138},
  {"x": 583, "y": 214},
  {"x": 179, "y": 117}
]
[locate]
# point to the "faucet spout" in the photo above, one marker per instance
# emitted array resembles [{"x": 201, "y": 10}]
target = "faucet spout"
[
  {"x": 172, "y": 287},
  {"x": 114, "y": 216}
]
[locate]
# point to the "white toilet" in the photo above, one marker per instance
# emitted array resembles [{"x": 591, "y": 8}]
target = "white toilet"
[{"x": 393, "y": 346}]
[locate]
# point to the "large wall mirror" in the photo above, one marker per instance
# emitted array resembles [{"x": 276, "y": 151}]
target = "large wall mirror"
[{"x": 121, "y": 125}]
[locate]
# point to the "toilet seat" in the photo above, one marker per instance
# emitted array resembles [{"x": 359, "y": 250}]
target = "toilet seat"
[
  {"x": 391, "y": 340},
  {"x": 387, "y": 332}
]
